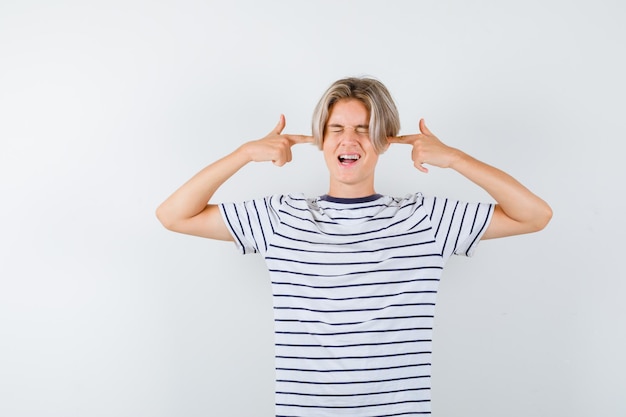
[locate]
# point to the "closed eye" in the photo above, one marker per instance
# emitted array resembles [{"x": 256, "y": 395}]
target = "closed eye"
[{"x": 362, "y": 130}]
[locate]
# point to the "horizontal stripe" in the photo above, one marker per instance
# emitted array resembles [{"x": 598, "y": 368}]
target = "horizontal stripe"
[
  {"x": 375, "y": 381},
  {"x": 410, "y": 413},
  {"x": 400, "y": 342},
  {"x": 353, "y": 406},
  {"x": 351, "y": 242},
  {"x": 355, "y": 309},
  {"x": 356, "y": 332},
  {"x": 334, "y": 358},
  {"x": 423, "y": 316},
  {"x": 362, "y": 251},
  {"x": 356, "y": 369},
  {"x": 375, "y": 271},
  {"x": 360, "y": 394},
  {"x": 367, "y": 297},
  {"x": 361, "y": 284},
  {"x": 383, "y": 260}
]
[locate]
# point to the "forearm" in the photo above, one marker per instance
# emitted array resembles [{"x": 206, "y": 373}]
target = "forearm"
[{"x": 192, "y": 197}]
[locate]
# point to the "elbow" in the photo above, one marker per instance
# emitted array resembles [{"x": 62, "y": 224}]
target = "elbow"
[
  {"x": 543, "y": 217},
  {"x": 166, "y": 220},
  {"x": 534, "y": 219}
]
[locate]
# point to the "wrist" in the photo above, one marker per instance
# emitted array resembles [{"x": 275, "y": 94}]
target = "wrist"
[
  {"x": 243, "y": 153},
  {"x": 457, "y": 158}
]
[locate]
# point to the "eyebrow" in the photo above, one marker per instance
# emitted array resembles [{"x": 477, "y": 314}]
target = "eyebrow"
[{"x": 340, "y": 125}]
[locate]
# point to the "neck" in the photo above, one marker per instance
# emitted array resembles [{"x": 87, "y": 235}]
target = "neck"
[{"x": 350, "y": 191}]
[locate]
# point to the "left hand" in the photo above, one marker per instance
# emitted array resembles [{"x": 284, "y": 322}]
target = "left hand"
[{"x": 427, "y": 149}]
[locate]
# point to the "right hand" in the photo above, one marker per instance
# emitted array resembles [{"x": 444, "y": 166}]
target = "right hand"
[
  {"x": 275, "y": 146},
  {"x": 427, "y": 149}
]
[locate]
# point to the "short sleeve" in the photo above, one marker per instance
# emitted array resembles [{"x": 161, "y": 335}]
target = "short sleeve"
[
  {"x": 458, "y": 226},
  {"x": 251, "y": 223}
]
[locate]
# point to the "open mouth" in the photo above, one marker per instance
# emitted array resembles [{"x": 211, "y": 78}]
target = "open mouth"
[{"x": 348, "y": 159}]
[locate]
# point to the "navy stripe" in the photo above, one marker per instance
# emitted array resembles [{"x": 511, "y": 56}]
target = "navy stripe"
[
  {"x": 354, "y": 273},
  {"x": 360, "y": 284},
  {"x": 353, "y": 242},
  {"x": 352, "y": 406},
  {"x": 367, "y": 297},
  {"x": 230, "y": 226},
  {"x": 475, "y": 218},
  {"x": 410, "y": 413},
  {"x": 271, "y": 258},
  {"x": 389, "y": 248},
  {"x": 445, "y": 241},
  {"x": 425, "y": 316},
  {"x": 354, "y": 310},
  {"x": 368, "y": 232},
  {"x": 416, "y": 365},
  {"x": 410, "y": 329},
  {"x": 400, "y": 342},
  {"x": 258, "y": 216},
  {"x": 443, "y": 211},
  {"x": 458, "y": 234},
  {"x": 483, "y": 227},
  {"x": 374, "y": 381},
  {"x": 360, "y": 394},
  {"x": 251, "y": 229},
  {"x": 334, "y": 358},
  {"x": 269, "y": 218}
]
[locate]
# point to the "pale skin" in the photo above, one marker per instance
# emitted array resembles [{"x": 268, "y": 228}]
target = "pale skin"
[{"x": 351, "y": 161}]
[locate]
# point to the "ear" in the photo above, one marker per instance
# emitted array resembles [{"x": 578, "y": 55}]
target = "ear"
[
  {"x": 384, "y": 149},
  {"x": 386, "y": 146},
  {"x": 319, "y": 142}
]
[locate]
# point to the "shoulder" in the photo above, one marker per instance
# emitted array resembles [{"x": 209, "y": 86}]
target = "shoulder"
[
  {"x": 280, "y": 204},
  {"x": 413, "y": 200}
]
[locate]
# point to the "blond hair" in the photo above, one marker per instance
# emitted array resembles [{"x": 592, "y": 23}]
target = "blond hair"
[{"x": 384, "y": 119}]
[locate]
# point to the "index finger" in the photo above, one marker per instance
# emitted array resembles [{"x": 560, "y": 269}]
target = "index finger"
[
  {"x": 401, "y": 139},
  {"x": 300, "y": 138}
]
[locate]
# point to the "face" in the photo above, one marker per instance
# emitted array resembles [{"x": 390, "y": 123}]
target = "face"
[{"x": 348, "y": 150}]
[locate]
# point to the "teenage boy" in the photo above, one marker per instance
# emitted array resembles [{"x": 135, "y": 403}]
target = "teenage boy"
[{"x": 354, "y": 273}]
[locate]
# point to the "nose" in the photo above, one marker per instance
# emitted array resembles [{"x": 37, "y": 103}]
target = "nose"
[{"x": 350, "y": 134}]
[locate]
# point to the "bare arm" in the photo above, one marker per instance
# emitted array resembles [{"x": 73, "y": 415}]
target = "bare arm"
[
  {"x": 517, "y": 211},
  {"x": 188, "y": 209}
]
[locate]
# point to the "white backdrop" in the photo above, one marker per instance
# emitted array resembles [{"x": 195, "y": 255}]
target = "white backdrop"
[{"x": 107, "y": 106}]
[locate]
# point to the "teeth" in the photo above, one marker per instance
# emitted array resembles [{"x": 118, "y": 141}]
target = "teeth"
[{"x": 354, "y": 157}]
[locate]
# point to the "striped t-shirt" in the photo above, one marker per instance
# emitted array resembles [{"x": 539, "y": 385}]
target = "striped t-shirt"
[{"x": 354, "y": 285}]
